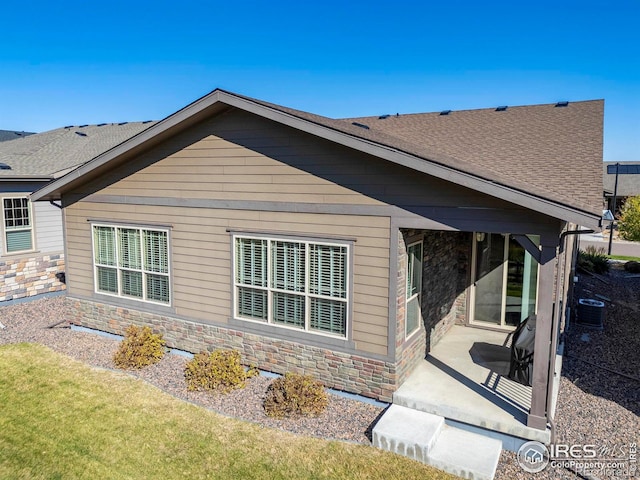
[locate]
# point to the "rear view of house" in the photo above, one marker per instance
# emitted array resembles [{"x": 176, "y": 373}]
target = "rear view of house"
[{"x": 348, "y": 249}]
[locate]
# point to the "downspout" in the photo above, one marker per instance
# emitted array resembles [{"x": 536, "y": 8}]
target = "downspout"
[
  {"x": 55, "y": 204},
  {"x": 554, "y": 332}
]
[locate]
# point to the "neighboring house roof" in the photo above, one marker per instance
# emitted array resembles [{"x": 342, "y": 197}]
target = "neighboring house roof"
[
  {"x": 628, "y": 184},
  {"x": 12, "y": 135},
  {"x": 543, "y": 157},
  {"x": 54, "y": 152}
]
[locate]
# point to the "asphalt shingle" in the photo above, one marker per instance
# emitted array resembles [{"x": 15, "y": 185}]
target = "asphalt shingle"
[
  {"x": 548, "y": 151},
  {"x": 6, "y": 135},
  {"x": 552, "y": 152},
  {"x": 58, "y": 150}
]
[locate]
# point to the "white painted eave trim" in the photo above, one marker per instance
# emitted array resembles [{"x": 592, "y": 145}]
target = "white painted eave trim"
[{"x": 544, "y": 206}]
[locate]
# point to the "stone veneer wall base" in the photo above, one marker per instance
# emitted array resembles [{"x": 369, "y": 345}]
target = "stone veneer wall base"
[
  {"x": 264, "y": 373},
  {"x": 23, "y": 277},
  {"x": 342, "y": 371}
]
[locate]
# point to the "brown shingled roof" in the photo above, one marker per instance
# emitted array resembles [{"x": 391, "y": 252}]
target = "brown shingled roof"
[
  {"x": 549, "y": 151},
  {"x": 57, "y": 150},
  {"x": 546, "y": 152},
  {"x": 553, "y": 152}
]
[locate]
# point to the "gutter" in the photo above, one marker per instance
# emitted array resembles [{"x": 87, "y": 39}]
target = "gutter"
[{"x": 26, "y": 178}]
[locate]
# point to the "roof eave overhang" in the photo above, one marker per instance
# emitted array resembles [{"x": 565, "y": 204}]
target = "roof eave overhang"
[{"x": 205, "y": 106}]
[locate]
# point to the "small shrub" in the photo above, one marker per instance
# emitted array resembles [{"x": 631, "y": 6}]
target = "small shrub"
[
  {"x": 629, "y": 224},
  {"x": 632, "y": 266},
  {"x": 139, "y": 348},
  {"x": 220, "y": 370},
  {"x": 593, "y": 260},
  {"x": 295, "y": 395}
]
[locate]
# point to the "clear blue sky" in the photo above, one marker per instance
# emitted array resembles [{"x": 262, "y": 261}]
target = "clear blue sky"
[{"x": 64, "y": 63}]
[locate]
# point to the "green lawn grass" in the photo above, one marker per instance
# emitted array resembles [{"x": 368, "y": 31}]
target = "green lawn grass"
[
  {"x": 61, "y": 419},
  {"x": 623, "y": 257}
]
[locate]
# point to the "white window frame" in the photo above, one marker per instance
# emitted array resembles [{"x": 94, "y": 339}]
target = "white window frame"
[
  {"x": 306, "y": 294},
  {"x": 119, "y": 269},
  {"x": 408, "y": 334},
  {"x": 6, "y": 230}
]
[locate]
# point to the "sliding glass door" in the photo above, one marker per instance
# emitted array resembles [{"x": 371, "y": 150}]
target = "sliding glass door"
[{"x": 505, "y": 280}]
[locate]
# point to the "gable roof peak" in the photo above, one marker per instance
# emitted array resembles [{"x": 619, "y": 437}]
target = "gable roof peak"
[{"x": 523, "y": 150}]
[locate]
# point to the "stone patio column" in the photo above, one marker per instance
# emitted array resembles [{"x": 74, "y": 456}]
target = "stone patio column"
[{"x": 538, "y": 413}]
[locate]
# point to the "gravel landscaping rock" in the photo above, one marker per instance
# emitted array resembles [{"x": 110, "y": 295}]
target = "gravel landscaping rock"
[
  {"x": 599, "y": 400},
  {"x": 344, "y": 419},
  {"x": 595, "y": 405}
]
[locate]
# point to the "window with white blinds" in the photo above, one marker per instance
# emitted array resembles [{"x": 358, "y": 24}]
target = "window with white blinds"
[
  {"x": 18, "y": 225},
  {"x": 296, "y": 284},
  {"x": 132, "y": 262}
]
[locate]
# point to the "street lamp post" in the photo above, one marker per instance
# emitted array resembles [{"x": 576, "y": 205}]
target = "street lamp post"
[{"x": 613, "y": 210}]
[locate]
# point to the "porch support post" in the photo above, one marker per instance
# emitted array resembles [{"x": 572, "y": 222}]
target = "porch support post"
[{"x": 538, "y": 413}]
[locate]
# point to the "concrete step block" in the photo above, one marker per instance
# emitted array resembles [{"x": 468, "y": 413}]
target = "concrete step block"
[
  {"x": 465, "y": 454},
  {"x": 407, "y": 432}
]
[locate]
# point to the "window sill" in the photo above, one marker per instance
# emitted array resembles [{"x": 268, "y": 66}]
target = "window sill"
[
  {"x": 133, "y": 303},
  {"x": 20, "y": 254},
  {"x": 290, "y": 334}
]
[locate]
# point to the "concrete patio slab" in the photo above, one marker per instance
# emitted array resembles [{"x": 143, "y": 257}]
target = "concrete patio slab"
[{"x": 462, "y": 379}]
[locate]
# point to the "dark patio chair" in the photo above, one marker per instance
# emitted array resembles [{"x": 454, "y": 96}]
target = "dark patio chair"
[{"x": 522, "y": 346}]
